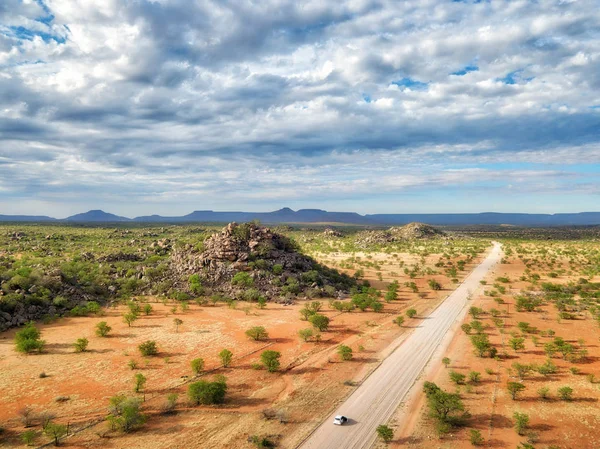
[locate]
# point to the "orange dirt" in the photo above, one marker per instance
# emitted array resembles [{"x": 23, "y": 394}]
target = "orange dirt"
[
  {"x": 562, "y": 424},
  {"x": 311, "y": 380}
]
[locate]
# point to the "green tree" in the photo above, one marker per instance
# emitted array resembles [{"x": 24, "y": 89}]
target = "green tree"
[
  {"x": 139, "y": 382},
  {"x": 129, "y": 318},
  {"x": 521, "y": 422},
  {"x": 28, "y": 437},
  {"x": 28, "y": 339},
  {"x": 257, "y": 333},
  {"x": 443, "y": 406},
  {"x": 517, "y": 343},
  {"x": 271, "y": 360},
  {"x": 565, "y": 393},
  {"x": 466, "y": 327},
  {"x": 148, "y": 348},
  {"x": 55, "y": 432},
  {"x": 147, "y": 309},
  {"x": 305, "y": 334},
  {"x": 319, "y": 321},
  {"x": 474, "y": 377},
  {"x": 81, "y": 344},
  {"x": 345, "y": 352},
  {"x": 262, "y": 302},
  {"x": 385, "y": 433},
  {"x": 177, "y": 322},
  {"x": 457, "y": 378},
  {"x": 205, "y": 393},
  {"x": 125, "y": 413},
  {"x": 446, "y": 362},
  {"x": 434, "y": 285},
  {"x": 411, "y": 313},
  {"x": 514, "y": 388},
  {"x": 482, "y": 344},
  {"x": 226, "y": 355},
  {"x": 399, "y": 320},
  {"x": 102, "y": 329},
  {"x": 197, "y": 366}
]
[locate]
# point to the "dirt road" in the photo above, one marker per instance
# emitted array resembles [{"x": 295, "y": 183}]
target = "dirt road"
[{"x": 374, "y": 402}]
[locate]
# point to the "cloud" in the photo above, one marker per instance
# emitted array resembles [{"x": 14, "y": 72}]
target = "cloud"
[{"x": 174, "y": 103}]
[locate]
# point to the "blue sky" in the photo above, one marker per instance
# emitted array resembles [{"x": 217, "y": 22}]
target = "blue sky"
[{"x": 374, "y": 106}]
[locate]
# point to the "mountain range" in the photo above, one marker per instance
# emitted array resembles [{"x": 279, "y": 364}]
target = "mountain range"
[{"x": 287, "y": 215}]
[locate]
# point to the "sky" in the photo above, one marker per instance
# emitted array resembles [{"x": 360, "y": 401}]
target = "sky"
[{"x": 375, "y": 106}]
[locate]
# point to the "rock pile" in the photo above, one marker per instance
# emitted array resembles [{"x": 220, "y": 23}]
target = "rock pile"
[
  {"x": 411, "y": 231},
  {"x": 271, "y": 263}
]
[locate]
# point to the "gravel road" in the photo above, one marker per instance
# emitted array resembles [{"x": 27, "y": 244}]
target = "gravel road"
[{"x": 376, "y": 399}]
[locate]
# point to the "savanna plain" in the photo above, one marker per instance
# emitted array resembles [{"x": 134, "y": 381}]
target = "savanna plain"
[{"x": 247, "y": 336}]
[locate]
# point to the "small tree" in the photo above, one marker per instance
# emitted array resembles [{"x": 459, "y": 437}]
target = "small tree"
[
  {"x": 517, "y": 343},
  {"x": 457, "y": 378},
  {"x": 197, "y": 366},
  {"x": 102, "y": 329},
  {"x": 257, "y": 333},
  {"x": 148, "y": 348},
  {"x": 434, "y": 285},
  {"x": 125, "y": 413},
  {"x": 385, "y": 433},
  {"x": 28, "y": 437},
  {"x": 345, "y": 352},
  {"x": 226, "y": 355},
  {"x": 81, "y": 344},
  {"x": 399, "y": 320},
  {"x": 320, "y": 322},
  {"x": 262, "y": 302},
  {"x": 514, "y": 388},
  {"x": 411, "y": 313},
  {"x": 139, "y": 382},
  {"x": 475, "y": 437},
  {"x": 177, "y": 322},
  {"x": 482, "y": 344},
  {"x": 446, "y": 362},
  {"x": 474, "y": 377},
  {"x": 466, "y": 327},
  {"x": 305, "y": 334},
  {"x": 271, "y": 360},
  {"x": 55, "y": 432},
  {"x": 206, "y": 393},
  {"x": 565, "y": 393},
  {"x": 544, "y": 392},
  {"x": 28, "y": 339},
  {"x": 147, "y": 309},
  {"x": 129, "y": 318},
  {"x": 521, "y": 422}
]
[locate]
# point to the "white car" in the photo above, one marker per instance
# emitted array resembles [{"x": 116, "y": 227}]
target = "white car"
[{"x": 340, "y": 420}]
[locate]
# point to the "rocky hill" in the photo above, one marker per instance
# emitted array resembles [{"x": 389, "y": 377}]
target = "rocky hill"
[
  {"x": 411, "y": 231},
  {"x": 247, "y": 260}
]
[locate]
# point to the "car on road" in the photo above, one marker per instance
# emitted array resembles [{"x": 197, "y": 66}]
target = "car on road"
[{"x": 340, "y": 420}]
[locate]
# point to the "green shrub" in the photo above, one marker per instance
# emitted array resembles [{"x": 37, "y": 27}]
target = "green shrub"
[
  {"x": 102, "y": 329},
  {"x": 28, "y": 339},
  {"x": 197, "y": 366},
  {"x": 148, "y": 348},
  {"x": 226, "y": 355},
  {"x": 206, "y": 393},
  {"x": 271, "y": 360},
  {"x": 257, "y": 333},
  {"x": 345, "y": 352},
  {"x": 385, "y": 433},
  {"x": 81, "y": 344}
]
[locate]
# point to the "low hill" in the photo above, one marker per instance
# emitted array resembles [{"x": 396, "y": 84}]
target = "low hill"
[{"x": 96, "y": 216}]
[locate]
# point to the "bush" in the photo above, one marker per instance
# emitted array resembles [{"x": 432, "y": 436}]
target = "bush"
[
  {"x": 474, "y": 377},
  {"x": 457, "y": 378},
  {"x": 257, "y": 333},
  {"x": 434, "y": 285},
  {"x": 399, "y": 320},
  {"x": 475, "y": 437},
  {"x": 277, "y": 269},
  {"x": 197, "y": 366},
  {"x": 411, "y": 313},
  {"x": 242, "y": 279},
  {"x": 466, "y": 327},
  {"x": 27, "y": 340},
  {"x": 443, "y": 406},
  {"x": 521, "y": 422},
  {"x": 81, "y": 344},
  {"x": 565, "y": 393},
  {"x": 148, "y": 348},
  {"x": 271, "y": 360},
  {"x": 514, "y": 388},
  {"x": 102, "y": 329},
  {"x": 446, "y": 362},
  {"x": 28, "y": 437},
  {"x": 129, "y": 318},
  {"x": 385, "y": 433},
  {"x": 206, "y": 393},
  {"x": 261, "y": 442},
  {"x": 140, "y": 381},
  {"x": 482, "y": 344},
  {"x": 544, "y": 392},
  {"x": 125, "y": 413},
  {"x": 305, "y": 334},
  {"x": 226, "y": 355},
  {"x": 319, "y": 321},
  {"x": 147, "y": 309},
  {"x": 345, "y": 352}
]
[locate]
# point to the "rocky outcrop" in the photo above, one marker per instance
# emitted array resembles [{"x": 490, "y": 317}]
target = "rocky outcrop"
[
  {"x": 273, "y": 264},
  {"x": 411, "y": 231}
]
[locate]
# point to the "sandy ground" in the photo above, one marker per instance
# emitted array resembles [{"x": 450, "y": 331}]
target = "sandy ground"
[
  {"x": 312, "y": 379},
  {"x": 553, "y": 423}
]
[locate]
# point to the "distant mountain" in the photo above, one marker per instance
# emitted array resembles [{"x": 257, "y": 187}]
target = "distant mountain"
[
  {"x": 31, "y": 218},
  {"x": 94, "y": 216},
  {"x": 287, "y": 215}
]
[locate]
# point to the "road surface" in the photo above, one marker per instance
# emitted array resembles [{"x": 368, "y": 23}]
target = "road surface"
[{"x": 376, "y": 399}]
